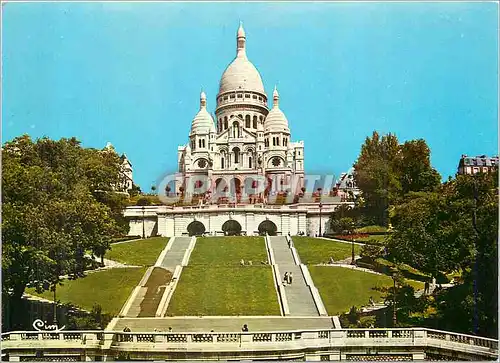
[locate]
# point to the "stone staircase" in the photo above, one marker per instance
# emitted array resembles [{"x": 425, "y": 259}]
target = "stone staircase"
[
  {"x": 298, "y": 295},
  {"x": 175, "y": 254}
]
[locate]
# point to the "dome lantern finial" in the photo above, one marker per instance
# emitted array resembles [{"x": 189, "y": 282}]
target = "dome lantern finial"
[
  {"x": 203, "y": 99},
  {"x": 276, "y": 97},
  {"x": 240, "y": 41}
]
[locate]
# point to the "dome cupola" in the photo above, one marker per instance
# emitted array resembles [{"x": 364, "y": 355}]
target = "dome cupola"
[
  {"x": 241, "y": 74},
  {"x": 276, "y": 120},
  {"x": 203, "y": 122}
]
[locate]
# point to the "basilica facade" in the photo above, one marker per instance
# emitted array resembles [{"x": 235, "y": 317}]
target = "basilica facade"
[{"x": 246, "y": 139}]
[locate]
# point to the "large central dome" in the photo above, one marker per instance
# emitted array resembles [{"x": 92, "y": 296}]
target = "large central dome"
[{"x": 241, "y": 74}]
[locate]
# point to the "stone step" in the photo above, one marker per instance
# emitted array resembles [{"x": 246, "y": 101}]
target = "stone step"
[{"x": 299, "y": 298}]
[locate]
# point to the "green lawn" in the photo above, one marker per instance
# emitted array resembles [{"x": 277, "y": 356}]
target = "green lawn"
[
  {"x": 228, "y": 251},
  {"x": 142, "y": 252},
  {"x": 108, "y": 288},
  {"x": 317, "y": 250},
  {"x": 340, "y": 288},
  {"x": 217, "y": 290}
]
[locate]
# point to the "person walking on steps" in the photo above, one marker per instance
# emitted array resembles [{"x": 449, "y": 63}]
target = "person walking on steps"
[
  {"x": 285, "y": 279},
  {"x": 290, "y": 278}
]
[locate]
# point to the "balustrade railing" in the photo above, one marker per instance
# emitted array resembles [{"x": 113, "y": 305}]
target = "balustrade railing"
[{"x": 336, "y": 337}]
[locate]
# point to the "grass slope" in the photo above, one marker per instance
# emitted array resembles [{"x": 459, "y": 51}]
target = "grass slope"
[
  {"x": 317, "y": 250},
  {"x": 108, "y": 288},
  {"x": 340, "y": 288},
  {"x": 216, "y": 290},
  {"x": 143, "y": 252},
  {"x": 228, "y": 251}
]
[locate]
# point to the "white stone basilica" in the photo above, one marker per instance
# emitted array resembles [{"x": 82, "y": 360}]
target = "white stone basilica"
[{"x": 249, "y": 139}]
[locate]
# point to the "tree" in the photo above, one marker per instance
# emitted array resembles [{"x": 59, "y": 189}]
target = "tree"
[
  {"x": 416, "y": 172},
  {"x": 385, "y": 171},
  {"x": 376, "y": 176},
  {"x": 54, "y": 210},
  {"x": 455, "y": 228}
]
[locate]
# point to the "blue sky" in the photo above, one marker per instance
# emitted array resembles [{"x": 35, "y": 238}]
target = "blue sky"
[{"x": 131, "y": 74}]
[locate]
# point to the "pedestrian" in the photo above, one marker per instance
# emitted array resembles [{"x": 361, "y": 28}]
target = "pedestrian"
[
  {"x": 245, "y": 328},
  {"x": 426, "y": 287},
  {"x": 290, "y": 277},
  {"x": 285, "y": 279},
  {"x": 242, "y": 262},
  {"x": 170, "y": 329},
  {"x": 372, "y": 303}
]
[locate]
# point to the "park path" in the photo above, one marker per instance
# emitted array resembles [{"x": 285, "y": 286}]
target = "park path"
[{"x": 298, "y": 295}]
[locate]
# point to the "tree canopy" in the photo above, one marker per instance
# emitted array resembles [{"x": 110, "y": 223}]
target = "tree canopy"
[
  {"x": 386, "y": 170},
  {"x": 59, "y": 203}
]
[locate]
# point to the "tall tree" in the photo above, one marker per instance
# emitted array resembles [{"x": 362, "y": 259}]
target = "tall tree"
[
  {"x": 376, "y": 176},
  {"x": 51, "y": 213},
  {"x": 385, "y": 171}
]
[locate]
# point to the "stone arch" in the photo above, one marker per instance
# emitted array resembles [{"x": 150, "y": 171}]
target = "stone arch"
[
  {"x": 268, "y": 227},
  {"x": 231, "y": 228},
  {"x": 196, "y": 228}
]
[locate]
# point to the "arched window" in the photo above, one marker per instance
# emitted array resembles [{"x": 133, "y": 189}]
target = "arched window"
[
  {"x": 250, "y": 162},
  {"x": 225, "y": 123},
  {"x": 222, "y": 162},
  {"x": 278, "y": 141},
  {"x": 203, "y": 143},
  {"x": 236, "y": 152},
  {"x": 247, "y": 121},
  {"x": 255, "y": 122},
  {"x": 274, "y": 141}
]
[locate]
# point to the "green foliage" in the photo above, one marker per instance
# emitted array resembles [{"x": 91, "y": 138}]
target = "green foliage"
[
  {"x": 95, "y": 320},
  {"x": 455, "y": 228},
  {"x": 372, "y": 252},
  {"x": 58, "y": 203},
  {"x": 386, "y": 170}
]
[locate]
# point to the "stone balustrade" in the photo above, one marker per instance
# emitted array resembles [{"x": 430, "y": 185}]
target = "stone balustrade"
[{"x": 277, "y": 341}]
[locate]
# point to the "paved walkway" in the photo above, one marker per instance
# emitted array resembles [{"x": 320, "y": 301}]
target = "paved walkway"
[
  {"x": 176, "y": 253},
  {"x": 222, "y": 324},
  {"x": 298, "y": 295}
]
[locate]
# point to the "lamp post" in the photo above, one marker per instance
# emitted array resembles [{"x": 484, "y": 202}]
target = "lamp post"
[
  {"x": 353, "y": 262},
  {"x": 143, "y": 229},
  {"x": 320, "y": 206},
  {"x": 394, "y": 316}
]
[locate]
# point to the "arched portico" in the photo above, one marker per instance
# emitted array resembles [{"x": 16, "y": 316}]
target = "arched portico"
[
  {"x": 196, "y": 228},
  {"x": 231, "y": 228},
  {"x": 267, "y": 227}
]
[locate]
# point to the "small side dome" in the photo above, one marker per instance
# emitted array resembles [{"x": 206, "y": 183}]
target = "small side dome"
[
  {"x": 276, "y": 120},
  {"x": 203, "y": 122}
]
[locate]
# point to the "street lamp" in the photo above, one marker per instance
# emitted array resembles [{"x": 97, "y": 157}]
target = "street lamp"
[
  {"x": 394, "y": 316},
  {"x": 320, "y": 206},
  {"x": 143, "y": 230},
  {"x": 353, "y": 262}
]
